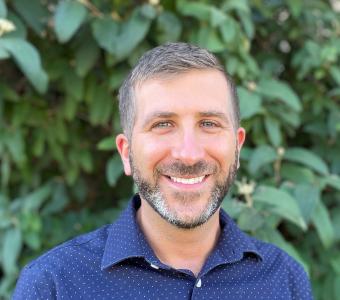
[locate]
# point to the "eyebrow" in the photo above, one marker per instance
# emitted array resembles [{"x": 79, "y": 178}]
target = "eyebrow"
[{"x": 169, "y": 115}]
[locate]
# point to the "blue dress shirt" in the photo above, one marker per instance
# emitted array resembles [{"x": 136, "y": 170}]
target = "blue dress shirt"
[{"x": 116, "y": 262}]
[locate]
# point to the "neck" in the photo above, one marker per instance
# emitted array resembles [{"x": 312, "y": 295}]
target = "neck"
[{"x": 176, "y": 247}]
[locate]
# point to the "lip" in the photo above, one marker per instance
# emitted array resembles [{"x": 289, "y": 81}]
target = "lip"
[{"x": 183, "y": 186}]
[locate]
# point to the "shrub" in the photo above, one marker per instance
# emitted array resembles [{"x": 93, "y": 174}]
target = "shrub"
[{"x": 61, "y": 64}]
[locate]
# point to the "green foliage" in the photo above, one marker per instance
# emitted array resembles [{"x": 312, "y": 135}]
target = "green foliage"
[{"x": 61, "y": 64}]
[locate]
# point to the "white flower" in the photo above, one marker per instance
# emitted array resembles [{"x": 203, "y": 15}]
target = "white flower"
[{"x": 6, "y": 26}]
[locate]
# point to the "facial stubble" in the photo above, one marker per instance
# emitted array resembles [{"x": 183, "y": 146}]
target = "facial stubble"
[{"x": 157, "y": 200}]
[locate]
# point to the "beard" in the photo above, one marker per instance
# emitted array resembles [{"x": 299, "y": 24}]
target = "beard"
[{"x": 157, "y": 200}]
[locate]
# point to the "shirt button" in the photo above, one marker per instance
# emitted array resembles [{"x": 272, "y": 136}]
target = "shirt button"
[
  {"x": 154, "y": 266},
  {"x": 199, "y": 283}
]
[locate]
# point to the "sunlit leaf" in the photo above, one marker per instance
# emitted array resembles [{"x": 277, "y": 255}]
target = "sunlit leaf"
[
  {"x": 28, "y": 60},
  {"x": 114, "y": 169},
  {"x": 307, "y": 158},
  {"x": 280, "y": 203},
  {"x": 250, "y": 103},
  {"x": 261, "y": 156},
  {"x": 69, "y": 16}
]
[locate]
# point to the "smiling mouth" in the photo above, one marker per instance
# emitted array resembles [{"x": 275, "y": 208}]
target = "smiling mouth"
[{"x": 188, "y": 181}]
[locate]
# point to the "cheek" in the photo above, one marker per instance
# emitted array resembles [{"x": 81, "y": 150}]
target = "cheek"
[{"x": 149, "y": 152}]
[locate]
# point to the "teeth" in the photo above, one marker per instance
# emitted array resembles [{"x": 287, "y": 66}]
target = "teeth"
[{"x": 188, "y": 180}]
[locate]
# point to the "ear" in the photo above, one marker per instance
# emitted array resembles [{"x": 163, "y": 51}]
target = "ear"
[
  {"x": 240, "y": 138},
  {"x": 124, "y": 149}
]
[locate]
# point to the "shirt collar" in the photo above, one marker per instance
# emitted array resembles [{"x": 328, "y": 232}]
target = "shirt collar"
[{"x": 125, "y": 240}]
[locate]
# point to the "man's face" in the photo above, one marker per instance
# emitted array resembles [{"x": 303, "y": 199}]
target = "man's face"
[{"x": 183, "y": 154}]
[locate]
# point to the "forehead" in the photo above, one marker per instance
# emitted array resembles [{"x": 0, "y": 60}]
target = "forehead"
[{"x": 192, "y": 91}]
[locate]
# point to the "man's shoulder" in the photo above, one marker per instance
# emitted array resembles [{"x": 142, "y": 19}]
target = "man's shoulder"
[
  {"x": 275, "y": 256},
  {"x": 90, "y": 244}
]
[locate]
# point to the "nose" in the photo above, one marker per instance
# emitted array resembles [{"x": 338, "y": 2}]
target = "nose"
[{"x": 188, "y": 148}]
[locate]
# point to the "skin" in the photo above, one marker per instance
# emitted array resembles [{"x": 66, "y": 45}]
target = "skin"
[{"x": 185, "y": 119}]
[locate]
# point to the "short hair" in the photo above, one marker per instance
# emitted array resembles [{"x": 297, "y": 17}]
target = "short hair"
[{"x": 168, "y": 59}]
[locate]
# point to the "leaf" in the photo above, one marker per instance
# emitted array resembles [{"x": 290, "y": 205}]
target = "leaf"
[
  {"x": 33, "y": 12},
  {"x": 247, "y": 24},
  {"x": 68, "y": 18},
  {"x": 28, "y": 60},
  {"x": 3, "y": 53},
  {"x": 295, "y": 7},
  {"x": 107, "y": 144},
  {"x": 86, "y": 56},
  {"x": 100, "y": 106},
  {"x": 250, "y": 219},
  {"x": 207, "y": 37},
  {"x": 250, "y": 103},
  {"x": 169, "y": 27},
  {"x": 335, "y": 72},
  {"x": 20, "y": 29},
  {"x": 120, "y": 39},
  {"x": 280, "y": 203},
  {"x": 11, "y": 247},
  {"x": 228, "y": 29},
  {"x": 307, "y": 158},
  {"x": 323, "y": 224},
  {"x": 217, "y": 17},
  {"x": 307, "y": 197},
  {"x": 332, "y": 180},
  {"x": 200, "y": 11},
  {"x": 16, "y": 146},
  {"x": 114, "y": 169},
  {"x": 33, "y": 201},
  {"x": 3, "y": 9},
  {"x": 297, "y": 174},
  {"x": 261, "y": 156},
  {"x": 272, "y": 127},
  {"x": 279, "y": 90},
  {"x": 59, "y": 200}
]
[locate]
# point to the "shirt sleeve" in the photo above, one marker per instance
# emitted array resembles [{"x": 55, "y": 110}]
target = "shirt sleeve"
[{"x": 34, "y": 283}]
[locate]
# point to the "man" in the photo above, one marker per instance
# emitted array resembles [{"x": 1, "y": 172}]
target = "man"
[{"x": 181, "y": 144}]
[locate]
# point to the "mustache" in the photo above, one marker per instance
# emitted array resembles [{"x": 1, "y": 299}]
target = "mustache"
[{"x": 177, "y": 168}]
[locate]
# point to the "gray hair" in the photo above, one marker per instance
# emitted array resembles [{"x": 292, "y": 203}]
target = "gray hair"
[{"x": 167, "y": 59}]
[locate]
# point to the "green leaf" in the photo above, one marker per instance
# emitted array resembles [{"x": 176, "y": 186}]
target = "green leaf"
[
  {"x": 272, "y": 127},
  {"x": 68, "y": 18},
  {"x": 297, "y": 174},
  {"x": 86, "y": 56},
  {"x": 280, "y": 203},
  {"x": 20, "y": 29},
  {"x": 200, "y": 11},
  {"x": 247, "y": 24},
  {"x": 3, "y": 9},
  {"x": 261, "y": 156},
  {"x": 279, "y": 90},
  {"x": 295, "y": 7},
  {"x": 217, "y": 17},
  {"x": 33, "y": 201},
  {"x": 107, "y": 144},
  {"x": 28, "y": 60},
  {"x": 120, "y": 39},
  {"x": 335, "y": 72},
  {"x": 307, "y": 197},
  {"x": 169, "y": 27},
  {"x": 332, "y": 180},
  {"x": 100, "y": 106},
  {"x": 33, "y": 12},
  {"x": 3, "y": 53},
  {"x": 16, "y": 146},
  {"x": 250, "y": 219},
  {"x": 228, "y": 29},
  {"x": 307, "y": 158},
  {"x": 323, "y": 224},
  {"x": 114, "y": 169},
  {"x": 11, "y": 247},
  {"x": 250, "y": 103}
]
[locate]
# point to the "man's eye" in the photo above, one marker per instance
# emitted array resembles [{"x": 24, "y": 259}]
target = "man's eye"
[
  {"x": 162, "y": 125},
  {"x": 209, "y": 124}
]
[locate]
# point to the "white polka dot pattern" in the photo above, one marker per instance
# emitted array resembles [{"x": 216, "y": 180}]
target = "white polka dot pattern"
[{"x": 116, "y": 262}]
